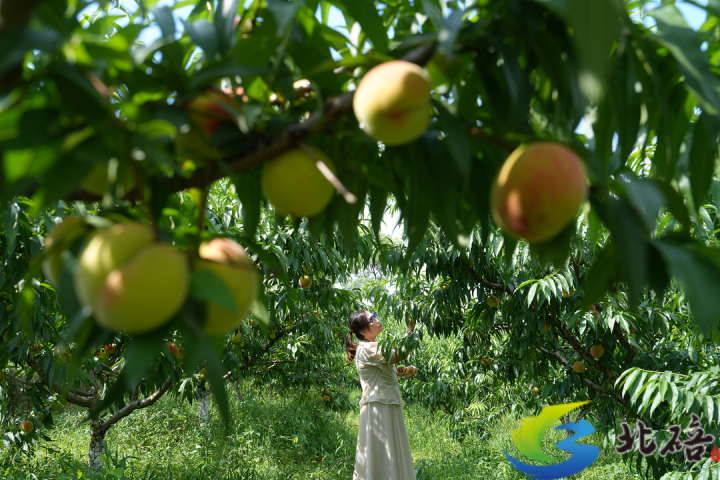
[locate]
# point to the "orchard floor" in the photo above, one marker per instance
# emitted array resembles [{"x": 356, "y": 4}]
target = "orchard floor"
[{"x": 275, "y": 437}]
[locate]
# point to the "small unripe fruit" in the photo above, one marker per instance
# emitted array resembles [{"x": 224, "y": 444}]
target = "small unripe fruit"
[
  {"x": 320, "y": 398},
  {"x": 180, "y": 353},
  {"x": 228, "y": 260},
  {"x": 538, "y": 191},
  {"x": 392, "y": 102},
  {"x": 204, "y": 374},
  {"x": 131, "y": 283},
  {"x": 101, "y": 354},
  {"x": 305, "y": 281},
  {"x": 327, "y": 391},
  {"x": 327, "y": 398},
  {"x": 546, "y": 327},
  {"x": 60, "y": 238},
  {"x": 597, "y": 351},
  {"x": 110, "y": 349},
  {"x": 236, "y": 338},
  {"x": 41, "y": 416},
  {"x": 536, "y": 390},
  {"x": 579, "y": 367},
  {"x": 295, "y": 186},
  {"x": 172, "y": 347},
  {"x": 568, "y": 294},
  {"x": 493, "y": 301},
  {"x": 27, "y": 426}
]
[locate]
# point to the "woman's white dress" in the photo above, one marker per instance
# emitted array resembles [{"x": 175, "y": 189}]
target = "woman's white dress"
[{"x": 383, "y": 449}]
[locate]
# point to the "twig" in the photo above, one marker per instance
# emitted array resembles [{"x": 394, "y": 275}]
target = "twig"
[{"x": 318, "y": 122}]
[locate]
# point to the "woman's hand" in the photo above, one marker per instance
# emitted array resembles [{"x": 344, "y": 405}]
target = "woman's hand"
[{"x": 407, "y": 372}]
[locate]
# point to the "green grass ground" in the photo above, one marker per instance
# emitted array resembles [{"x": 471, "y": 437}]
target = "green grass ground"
[{"x": 273, "y": 438}]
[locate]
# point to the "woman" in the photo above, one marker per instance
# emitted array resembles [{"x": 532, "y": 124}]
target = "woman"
[{"x": 383, "y": 449}]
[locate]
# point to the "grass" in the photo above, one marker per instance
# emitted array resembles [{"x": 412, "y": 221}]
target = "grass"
[{"x": 276, "y": 438}]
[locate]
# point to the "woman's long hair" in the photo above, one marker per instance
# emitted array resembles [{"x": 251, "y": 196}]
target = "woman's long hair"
[{"x": 358, "y": 323}]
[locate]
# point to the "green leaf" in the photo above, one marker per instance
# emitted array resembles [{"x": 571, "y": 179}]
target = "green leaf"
[
  {"x": 378, "y": 202},
  {"x": 703, "y": 156},
  {"x": 699, "y": 279},
  {"x": 367, "y": 16},
  {"x": 203, "y": 34},
  {"x": 11, "y": 224},
  {"x": 458, "y": 139},
  {"x": 684, "y": 44},
  {"x": 284, "y": 12},
  {"x": 596, "y": 26},
  {"x": 631, "y": 248},
  {"x": 208, "y": 286},
  {"x": 164, "y": 19},
  {"x": 247, "y": 187},
  {"x": 225, "y": 23}
]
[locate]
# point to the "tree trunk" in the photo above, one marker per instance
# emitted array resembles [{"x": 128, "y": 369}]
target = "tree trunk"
[
  {"x": 97, "y": 445},
  {"x": 204, "y": 402},
  {"x": 568, "y": 433},
  {"x": 238, "y": 395}
]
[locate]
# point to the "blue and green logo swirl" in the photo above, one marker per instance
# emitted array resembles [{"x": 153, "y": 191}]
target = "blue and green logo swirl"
[{"x": 528, "y": 439}]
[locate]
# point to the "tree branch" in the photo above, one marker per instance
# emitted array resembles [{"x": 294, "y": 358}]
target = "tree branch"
[
  {"x": 586, "y": 380},
  {"x": 135, "y": 405},
  {"x": 79, "y": 400},
  {"x": 334, "y": 109}
]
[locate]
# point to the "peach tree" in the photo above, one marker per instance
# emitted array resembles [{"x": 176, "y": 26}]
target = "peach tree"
[{"x": 614, "y": 118}]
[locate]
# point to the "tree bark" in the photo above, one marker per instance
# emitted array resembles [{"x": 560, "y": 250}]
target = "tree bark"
[
  {"x": 236, "y": 389},
  {"x": 97, "y": 445},
  {"x": 204, "y": 402}
]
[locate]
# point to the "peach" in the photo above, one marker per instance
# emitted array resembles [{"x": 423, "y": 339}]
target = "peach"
[
  {"x": 493, "y": 301},
  {"x": 172, "y": 347},
  {"x": 305, "y": 281},
  {"x": 579, "y": 367},
  {"x": 546, "y": 327},
  {"x": 392, "y": 102},
  {"x": 538, "y": 191},
  {"x": 207, "y": 112},
  {"x": 27, "y": 426},
  {"x": 597, "y": 351},
  {"x": 131, "y": 283},
  {"x": 294, "y": 185},
  {"x": 228, "y": 260}
]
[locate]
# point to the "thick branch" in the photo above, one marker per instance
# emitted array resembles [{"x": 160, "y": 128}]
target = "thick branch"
[
  {"x": 79, "y": 400},
  {"x": 135, "y": 405},
  {"x": 494, "y": 286},
  {"x": 334, "y": 110},
  {"x": 586, "y": 380}
]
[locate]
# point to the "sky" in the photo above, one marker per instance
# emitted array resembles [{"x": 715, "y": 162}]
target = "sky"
[{"x": 695, "y": 17}]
